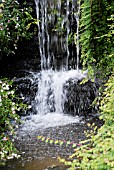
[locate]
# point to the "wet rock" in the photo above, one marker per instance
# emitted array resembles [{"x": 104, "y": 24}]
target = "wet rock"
[
  {"x": 78, "y": 100},
  {"x": 26, "y": 58},
  {"x": 56, "y": 168},
  {"x": 79, "y": 97}
]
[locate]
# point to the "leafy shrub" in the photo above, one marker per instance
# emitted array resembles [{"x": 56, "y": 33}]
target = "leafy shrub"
[
  {"x": 9, "y": 119},
  {"x": 13, "y": 25},
  {"x": 96, "y": 37}
]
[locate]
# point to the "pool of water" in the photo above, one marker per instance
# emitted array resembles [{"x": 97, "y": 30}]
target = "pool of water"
[
  {"x": 37, "y": 164},
  {"x": 39, "y": 155}
]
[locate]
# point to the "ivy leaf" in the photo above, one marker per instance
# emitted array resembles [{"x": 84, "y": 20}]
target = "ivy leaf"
[
  {"x": 68, "y": 142},
  {"x": 51, "y": 141},
  {"x": 61, "y": 143},
  {"x": 56, "y": 142},
  {"x": 43, "y": 138},
  {"x": 74, "y": 145}
]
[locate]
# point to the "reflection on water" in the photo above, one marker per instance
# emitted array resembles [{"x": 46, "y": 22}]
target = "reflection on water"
[{"x": 35, "y": 165}]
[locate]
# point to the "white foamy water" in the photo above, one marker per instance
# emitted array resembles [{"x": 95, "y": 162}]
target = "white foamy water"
[
  {"x": 35, "y": 122},
  {"x": 50, "y": 98},
  {"x": 51, "y": 95}
]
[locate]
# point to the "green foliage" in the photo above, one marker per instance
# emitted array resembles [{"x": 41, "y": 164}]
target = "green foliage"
[
  {"x": 107, "y": 102},
  {"x": 13, "y": 25},
  {"x": 9, "y": 119},
  {"x": 96, "y": 36},
  {"x": 57, "y": 142}
]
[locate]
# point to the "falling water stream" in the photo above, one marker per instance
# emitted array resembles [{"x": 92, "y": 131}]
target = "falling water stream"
[{"x": 53, "y": 36}]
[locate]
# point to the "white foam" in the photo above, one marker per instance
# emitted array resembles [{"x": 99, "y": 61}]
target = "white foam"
[
  {"x": 53, "y": 81},
  {"x": 45, "y": 117},
  {"x": 35, "y": 122}
]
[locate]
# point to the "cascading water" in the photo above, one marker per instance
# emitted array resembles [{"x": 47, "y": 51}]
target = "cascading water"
[
  {"x": 53, "y": 39},
  {"x": 51, "y": 94},
  {"x": 57, "y": 21}
]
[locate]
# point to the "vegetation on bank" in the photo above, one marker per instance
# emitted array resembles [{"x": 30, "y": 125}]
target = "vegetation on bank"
[
  {"x": 15, "y": 21},
  {"x": 10, "y": 105},
  {"x": 96, "y": 39},
  {"x": 14, "y": 27}
]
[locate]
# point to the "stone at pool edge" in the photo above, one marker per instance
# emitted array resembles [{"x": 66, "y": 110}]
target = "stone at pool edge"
[{"x": 56, "y": 168}]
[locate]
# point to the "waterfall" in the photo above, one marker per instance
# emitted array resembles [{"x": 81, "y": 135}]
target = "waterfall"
[
  {"x": 53, "y": 36},
  {"x": 51, "y": 94},
  {"x": 55, "y": 23}
]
